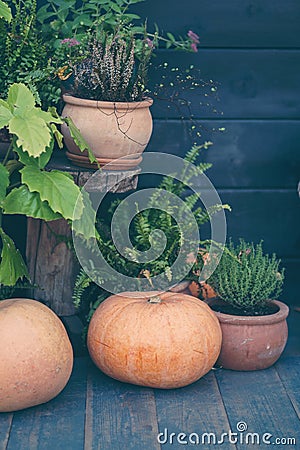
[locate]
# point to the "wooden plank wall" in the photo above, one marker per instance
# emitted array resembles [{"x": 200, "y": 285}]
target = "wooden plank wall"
[{"x": 252, "y": 49}]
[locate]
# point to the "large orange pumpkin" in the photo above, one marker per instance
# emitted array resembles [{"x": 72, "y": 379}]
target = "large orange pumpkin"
[
  {"x": 36, "y": 356},
  {"x": 164, "y": 340}
]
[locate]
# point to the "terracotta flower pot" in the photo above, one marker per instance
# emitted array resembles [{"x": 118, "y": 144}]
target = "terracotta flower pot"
[
  {"x": 193, "y": 288},
  {"x": 204, "y": 289},
  {"x": 112, "y": 130},
  {"x": 252, "y": 342},
  {"x": 181, "y": 288}
]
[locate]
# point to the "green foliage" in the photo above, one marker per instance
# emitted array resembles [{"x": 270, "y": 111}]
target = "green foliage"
[
  {"x": 12, "y": 266},
  {"x": 246, "y": 278},
  {"x": 104, "y": 44},
  {"x": 157, "y": 216},
  {"x": 21, "y": 47},
  {"x": 26, "y": 187},
  {"x": 5, "y": 12}
]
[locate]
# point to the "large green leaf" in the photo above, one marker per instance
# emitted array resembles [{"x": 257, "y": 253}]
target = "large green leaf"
[
  {"x": 4, "y": 181},
  {"x": 34, "y": 135},
  {"x": 20, "y": 98},
  {"x": 40, "y": 162},
  {"x": 85, "y": 225},
  {"x": 5, "y": 11},
  {"x": 22, "y": 201},
  {"x": 56, "y": 188},
  {"x": 57, "y": 135},
  {"x": 5, "y": 114},
  {"x": 79, "y": 139},
  {"x": 12, "y": 266},
  {"x": 48, "y": 117}
]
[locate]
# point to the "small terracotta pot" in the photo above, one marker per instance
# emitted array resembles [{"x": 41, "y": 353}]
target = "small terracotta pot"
[
  {"x": 181, "y": 288},
  {"x": 203, "y": 290},
  {"x": 252, "y": 342},
  {"x": 112, "y": 129}
]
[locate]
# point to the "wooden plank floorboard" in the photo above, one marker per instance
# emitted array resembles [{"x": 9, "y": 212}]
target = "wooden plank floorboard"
[
  {"x": 197, "y": 408},
  {"x": 288, "y": 369},
  {"x": 5, "y": 426},
  {"x": 56, "y": 425},
  {"x": 259, "y": 400},
  {"x": 119, "y": 416}
]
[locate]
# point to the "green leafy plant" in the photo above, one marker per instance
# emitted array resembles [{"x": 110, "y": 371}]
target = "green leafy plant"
[
  {"x": 26, "y": 186},
  {"x": 144, "y": 224},
  {"x": 105, "y": 46},
  {"x": 22, "y": 49},
  {"x": 61, "y": 20},
  {"x": 246, "y": 278}
]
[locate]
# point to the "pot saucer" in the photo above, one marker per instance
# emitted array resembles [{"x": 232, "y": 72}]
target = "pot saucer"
[{"x": 106, "y": 163}]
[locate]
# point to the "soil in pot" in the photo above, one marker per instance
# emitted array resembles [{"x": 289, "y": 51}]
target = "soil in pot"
[{"x": 229, "y": 309}]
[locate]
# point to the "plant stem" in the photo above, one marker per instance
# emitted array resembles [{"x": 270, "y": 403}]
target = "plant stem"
[
  {"x": 7, "y": 154},
  {"x": 12, "y": 186}
]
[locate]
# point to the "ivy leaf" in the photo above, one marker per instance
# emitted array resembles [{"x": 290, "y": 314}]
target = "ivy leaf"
[
  {"x": 12, "y": 266},
  {"x": 21, "y": 98},
  {"x": 34, "y": 136},
  {"x": 5, "y": 114},
  {"x": 5, "y": 12},
  {"x": 22, "y": 201},
  {"x": 56, "y": 188},
  {"x": 79, "y": 139},
  {"x": 4, "y": 181}
]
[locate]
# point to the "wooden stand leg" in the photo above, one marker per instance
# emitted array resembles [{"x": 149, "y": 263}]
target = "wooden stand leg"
[{"x": 52, "y": 265}]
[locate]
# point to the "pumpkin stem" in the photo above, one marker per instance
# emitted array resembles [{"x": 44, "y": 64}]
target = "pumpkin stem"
[{"x": 154, "y": 299}]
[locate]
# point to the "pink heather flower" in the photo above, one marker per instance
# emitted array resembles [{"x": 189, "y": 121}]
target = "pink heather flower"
[
  {"x": 149, "y": 43},
  {"x": 194, "y": 47},
  {"x": 194, "y": 37},
  {"x": 71, "y": 42}
]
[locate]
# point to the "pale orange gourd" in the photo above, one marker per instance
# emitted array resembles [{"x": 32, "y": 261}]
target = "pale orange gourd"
[
  {"x": 164, "y": 340},
  {"x": 36, "y": 356}
]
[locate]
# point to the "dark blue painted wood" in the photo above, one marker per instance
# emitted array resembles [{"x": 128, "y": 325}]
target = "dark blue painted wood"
[
  {"x": 5, "y": 426},
  {"x": 58, "y": 424},
  {"x": 289, "y": 372},
  {"x": 119, "y": 416},
  {"x": 251, "y": 83},
  {"x": 248, "y": 154},
  {"x": 197, "y": 408},
  {"x": 259, "y": 399},
  {"x": 293, "y": 343},
  {"x": 238, "y": 23},
  {"x": 290, "y": 292},
  {"x": 270, "y": 216}
]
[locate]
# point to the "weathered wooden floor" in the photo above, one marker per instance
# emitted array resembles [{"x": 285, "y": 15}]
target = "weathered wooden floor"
[{"x": 96, "y": 412}]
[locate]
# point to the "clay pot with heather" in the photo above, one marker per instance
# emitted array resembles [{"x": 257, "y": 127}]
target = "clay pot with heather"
[
  {"x": 112, "y": 129},
  {"x": 251, "y": 342},
  {"x": 254, "y": 327}
]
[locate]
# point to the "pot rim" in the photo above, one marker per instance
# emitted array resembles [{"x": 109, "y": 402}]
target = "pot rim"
[
  {"x": 100, "y": 104},
  {"x": 254, "y": 320}
]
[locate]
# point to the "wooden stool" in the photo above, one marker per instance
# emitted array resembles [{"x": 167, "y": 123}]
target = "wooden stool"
[{"x": 52, "y": 265}]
